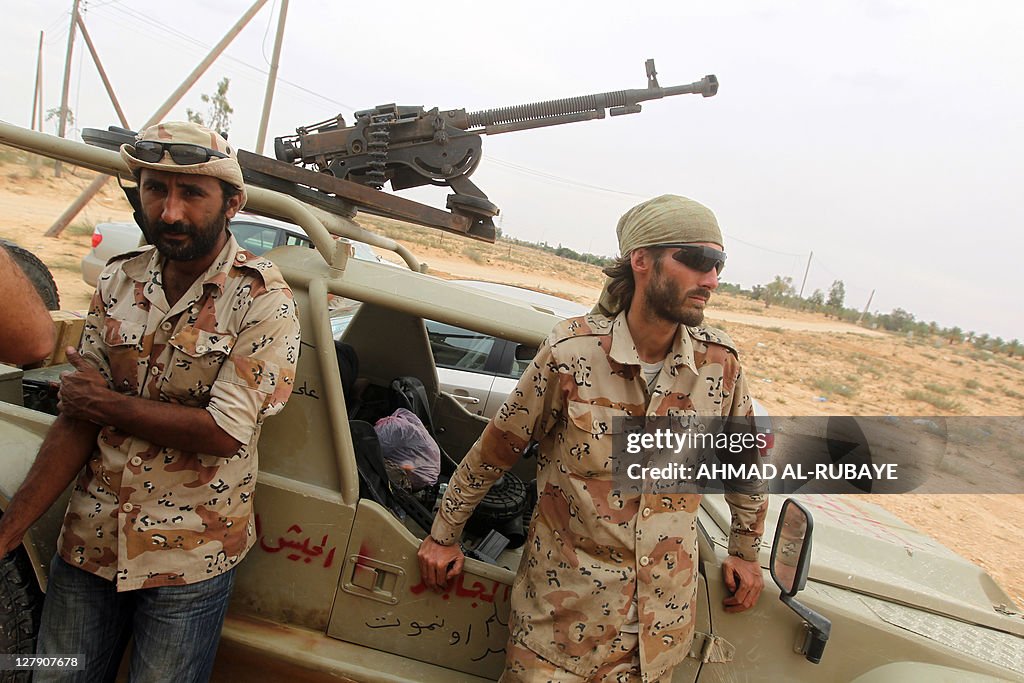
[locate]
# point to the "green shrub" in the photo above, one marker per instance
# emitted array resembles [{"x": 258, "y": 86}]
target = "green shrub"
[
  {"x": 474, "y": 255},
  {"x": 829, "y": 385},
  {"x": 937, "y": 400}
]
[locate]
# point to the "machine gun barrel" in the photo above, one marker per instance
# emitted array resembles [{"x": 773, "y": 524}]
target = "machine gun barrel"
[{"x": 585, "y": 108}]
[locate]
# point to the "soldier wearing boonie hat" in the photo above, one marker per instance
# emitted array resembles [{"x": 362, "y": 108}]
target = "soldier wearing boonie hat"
[
  {"x": 642, "y": 352},
  {"x": 188, "y": 347}
]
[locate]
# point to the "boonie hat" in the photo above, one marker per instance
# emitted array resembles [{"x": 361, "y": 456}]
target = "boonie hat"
[{"x": 225, "y": 168}]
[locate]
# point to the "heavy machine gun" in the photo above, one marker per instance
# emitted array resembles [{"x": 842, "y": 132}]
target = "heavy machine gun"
[{"x": 335, "y": 166}]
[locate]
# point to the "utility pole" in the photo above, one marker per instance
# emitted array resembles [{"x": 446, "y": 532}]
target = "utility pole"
[
  {"x": 205, "y": 64},
  {"x": 37, "y": 99},
  {"x": 62, "y": 129},
  {"x": 866, "y": 306},
  {"x": 807, "y": 270},
  {"x": 268, "y": 99},
  {"x": 97, "y": 184},
  {"x": 103, "y": 73}
]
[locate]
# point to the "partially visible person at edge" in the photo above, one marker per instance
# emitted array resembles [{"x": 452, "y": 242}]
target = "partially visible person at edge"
[
  {"x": 606, "y": 590},
  {"x": 187, "y": 348},
  {"x": 27, "y": 334}
]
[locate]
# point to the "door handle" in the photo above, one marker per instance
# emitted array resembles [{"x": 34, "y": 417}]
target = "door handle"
[
  {"x": 373, "y": 579},
  {"x": 468, "y": 400}
]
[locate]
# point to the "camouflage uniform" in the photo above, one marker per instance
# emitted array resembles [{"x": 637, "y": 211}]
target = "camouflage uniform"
[
  {"x": 591, "y": 547},
  {"x": 147, "y": 516}
]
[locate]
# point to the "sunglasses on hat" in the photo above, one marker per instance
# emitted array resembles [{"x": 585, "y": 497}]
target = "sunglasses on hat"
[
  {"x": 182, "y": 153},
  {"x": 698, "y": 257}
]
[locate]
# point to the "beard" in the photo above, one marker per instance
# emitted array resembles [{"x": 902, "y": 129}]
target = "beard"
[
  {"x": 202, "y": 239},
  {"x": 666, "y": 301}
]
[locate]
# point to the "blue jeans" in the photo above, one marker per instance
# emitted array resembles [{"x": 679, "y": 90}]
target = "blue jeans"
[{"x": 175, "y": 628}]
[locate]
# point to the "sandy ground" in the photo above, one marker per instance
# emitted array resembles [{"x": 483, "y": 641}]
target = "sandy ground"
[{"x": 797, "y": 363}]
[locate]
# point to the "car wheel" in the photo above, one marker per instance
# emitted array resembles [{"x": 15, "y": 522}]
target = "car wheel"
[
  {"x": 37, "y": 273},
  {"x": 21, "y": 608}
]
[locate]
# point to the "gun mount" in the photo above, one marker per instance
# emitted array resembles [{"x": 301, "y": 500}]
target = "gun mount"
[{"x": 339, "y": 167}]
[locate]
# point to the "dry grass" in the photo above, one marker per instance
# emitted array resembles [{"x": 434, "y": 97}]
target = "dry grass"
[
  {"x": 831, "y": 386},
  {"x": 938, "y": 400}
]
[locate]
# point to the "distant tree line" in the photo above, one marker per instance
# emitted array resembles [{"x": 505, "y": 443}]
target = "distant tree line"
[
  {"x": 780, "y": 292},
  {"x": 564, "y": 252}
]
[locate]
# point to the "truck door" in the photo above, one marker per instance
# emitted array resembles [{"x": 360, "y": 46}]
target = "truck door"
[{"x": 383, "y": 604}]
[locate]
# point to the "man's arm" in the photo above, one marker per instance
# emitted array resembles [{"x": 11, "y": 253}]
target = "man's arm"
[
  {"x": 266, "y": 347},
  {"x": 26, "y": 332},
  {"x": 500, "y": 446},
  {"x": 440, "y": 556},
  {"x": 85, "y": 395},
  {"x": 741, "y": 570},
  {"x": 66, "y": 448}
]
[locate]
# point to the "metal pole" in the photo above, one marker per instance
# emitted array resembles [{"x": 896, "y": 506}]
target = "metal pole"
[
  {"x": 37, "y": 97},
  {"x": 205, "y": 64},
  {"x": 97, "y": 184},
  {"x": 268, "y": 99},
  {"x": 866, "y": 306},
  {"x": 103, "y": 73},
  {"x": 807, "y": 270},
  {"x": 62, "y": 128}
]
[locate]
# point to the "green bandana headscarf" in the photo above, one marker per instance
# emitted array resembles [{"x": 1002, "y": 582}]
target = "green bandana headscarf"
[{"x": 664, "y": 219}]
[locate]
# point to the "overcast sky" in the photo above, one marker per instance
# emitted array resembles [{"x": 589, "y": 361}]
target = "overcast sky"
[{"x": 884, "y": 136}]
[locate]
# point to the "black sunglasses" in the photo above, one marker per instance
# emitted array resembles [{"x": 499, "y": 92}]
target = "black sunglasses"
[
  {"x": 182, "y": 153},
  {"x": 698, "y": 257}
]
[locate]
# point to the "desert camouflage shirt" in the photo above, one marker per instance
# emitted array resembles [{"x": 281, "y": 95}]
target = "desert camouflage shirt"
[
  {"x": 591, "y": 546},
  {"x": 143, "y": 515}
]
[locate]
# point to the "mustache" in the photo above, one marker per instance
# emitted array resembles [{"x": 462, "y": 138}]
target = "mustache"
[
  {"x": 177, "y": 228},
  {"x": 702, "y": 292}
]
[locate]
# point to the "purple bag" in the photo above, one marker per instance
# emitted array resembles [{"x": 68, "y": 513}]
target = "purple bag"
[{"x": 412, "y": 458}]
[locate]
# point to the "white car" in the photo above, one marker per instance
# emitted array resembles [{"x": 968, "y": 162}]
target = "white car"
[
  {"x": 479, "y": 370},
  {"x": 254, "y": 233}
]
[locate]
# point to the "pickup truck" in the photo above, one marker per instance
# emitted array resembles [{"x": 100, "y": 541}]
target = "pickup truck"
[{"x": 332, "y": 591}]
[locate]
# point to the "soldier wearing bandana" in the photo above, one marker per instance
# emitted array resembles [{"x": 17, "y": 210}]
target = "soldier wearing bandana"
[{"x": 607, "y": 584}]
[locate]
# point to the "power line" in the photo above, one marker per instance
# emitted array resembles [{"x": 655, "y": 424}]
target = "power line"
[
  {"x": 597, "y": 188},
  {"x": 61, "y": 20},
  {"x": 758, "y": 246},
  {"x": 163, "y": 30},
  {"x": 266, "y": 33},
  {"x": 560, "y": 179},
  {"x": 104, "y": 4}
]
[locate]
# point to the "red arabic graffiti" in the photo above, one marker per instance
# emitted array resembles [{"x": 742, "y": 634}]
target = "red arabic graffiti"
[
  {"x": 478, "y": 590},
  {"x": 300, "y": 548}
]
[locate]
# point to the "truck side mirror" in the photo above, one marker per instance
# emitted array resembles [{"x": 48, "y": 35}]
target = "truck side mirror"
[
  {"x": 791, "y": 549},
  {"x": 789, "y": 565}
]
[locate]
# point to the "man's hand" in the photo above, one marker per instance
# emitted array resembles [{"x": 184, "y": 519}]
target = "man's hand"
[
  {"x": 8, "y": 540},
  {"x": 438, "y": 563},
  {"x": 80, "y": 389},
  {"x": 744, "y": 580}
]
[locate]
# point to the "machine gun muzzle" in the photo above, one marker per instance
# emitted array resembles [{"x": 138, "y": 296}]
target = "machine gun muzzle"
[{"x": 585, "y": 108}]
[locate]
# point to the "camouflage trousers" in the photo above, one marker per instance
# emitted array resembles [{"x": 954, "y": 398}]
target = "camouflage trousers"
[{"x": 523, "y": 665}]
